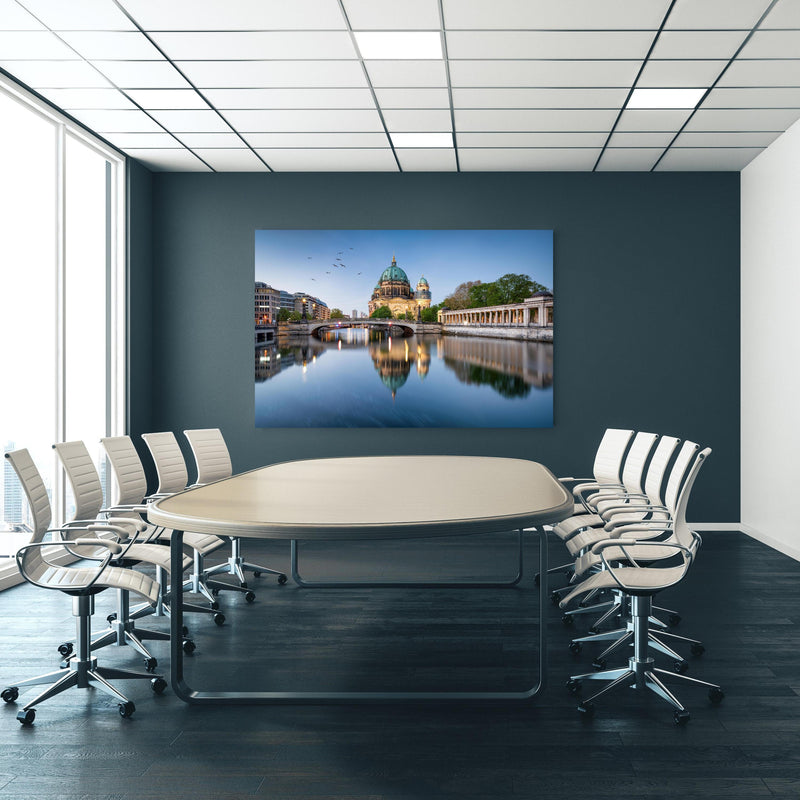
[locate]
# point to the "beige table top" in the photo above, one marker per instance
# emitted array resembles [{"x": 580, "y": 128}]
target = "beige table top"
[{"x": 383, "y": 497}]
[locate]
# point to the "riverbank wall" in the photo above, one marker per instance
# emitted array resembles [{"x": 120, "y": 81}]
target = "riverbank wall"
[{"x": 529, "y": 334}]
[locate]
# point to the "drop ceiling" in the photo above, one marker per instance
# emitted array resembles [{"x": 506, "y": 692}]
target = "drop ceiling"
[{"x": 293, "y": 85}]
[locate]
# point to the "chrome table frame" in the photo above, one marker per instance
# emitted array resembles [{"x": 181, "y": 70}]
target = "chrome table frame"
[{"x": 194, "y": 696}]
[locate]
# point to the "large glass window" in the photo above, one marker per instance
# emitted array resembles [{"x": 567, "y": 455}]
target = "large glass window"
[{"x": 61, "y": 301}]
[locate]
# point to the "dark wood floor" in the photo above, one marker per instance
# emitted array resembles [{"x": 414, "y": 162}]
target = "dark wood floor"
[{"x": 741, "y": 598}]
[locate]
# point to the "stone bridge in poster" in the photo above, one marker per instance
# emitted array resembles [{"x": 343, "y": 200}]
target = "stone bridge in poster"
[{"x": 408, "y": 328}]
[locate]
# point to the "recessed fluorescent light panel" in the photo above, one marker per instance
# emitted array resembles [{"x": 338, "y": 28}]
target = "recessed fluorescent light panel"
[
  {"x": 422, "y": 139},
  {"x": 665, "y": 98},
  {"x": 419, "y": 45}
]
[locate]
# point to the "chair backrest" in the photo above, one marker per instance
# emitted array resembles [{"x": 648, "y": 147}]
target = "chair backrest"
[
  {"x": 682, "y": 533},
  {"x": 83, "y": 479},
  {"x": 610, "y": 452},
  {"x": 658, "y": 468},
  {"x": 210, "y": 454},
  {"x": 34, "y": 489},
  {"x": 168, "y": 458},
  {"x": 633, "y": 471},
  {"x": 130, "y": 482},
  {"x": 685, "y": 457}
]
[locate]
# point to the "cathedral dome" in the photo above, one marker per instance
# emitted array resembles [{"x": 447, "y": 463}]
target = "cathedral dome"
[
  {"x": 422, "y": 281},
  {"x": 393, "y": 273}
]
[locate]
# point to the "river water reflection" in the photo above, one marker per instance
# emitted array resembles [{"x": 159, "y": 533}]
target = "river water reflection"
[{"x": 355, "y": 377}]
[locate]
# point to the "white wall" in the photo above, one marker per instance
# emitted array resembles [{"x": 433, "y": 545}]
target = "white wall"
[{"x": 770, "y": 192}]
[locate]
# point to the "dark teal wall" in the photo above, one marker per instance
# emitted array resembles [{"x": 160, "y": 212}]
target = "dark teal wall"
[{"x": 646, "y": 285}]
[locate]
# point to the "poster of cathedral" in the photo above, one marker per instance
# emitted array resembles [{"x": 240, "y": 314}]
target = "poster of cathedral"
[{"x": 404, "y": 328}]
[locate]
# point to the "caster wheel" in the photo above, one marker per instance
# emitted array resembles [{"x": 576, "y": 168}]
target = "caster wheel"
[
  {"x": 215, "y": 592},
  {"x": 189, "y": 646},
  {"x": 568, "y": 620},
  {"x": 282, "y": 580},
  {"x": 10, "y": 694},
  {"x": 150, "y": 664},
  {"x": 536, "y": 579},
  {"x": 111, "y": 618},
  {"x": 219, "y": 618},
  {"x": 575, "y": 648},
  {"x": 681, "y": 717},
  {"x": 681, "y": 667},
  {"x": 250, "y": 596},
  {"x": 674, "y": 619},
  {"x": 716, "y": 695},
  {"x": 158, "y": 685},
  {"x": 26, "y": 717},
  {"x": 698, "y": 649},
  {"x": 587, "y": 709},
  {"x": 573, "y": 686},
  {"x": 256, "y": 573},
  {"x": 598, "y": 664},
  {"x": 555, "y": 598},
  {"x": 126, "y": 709},
  {"x": 65, "y": 649},
  {"x": 214, "y": 606}
]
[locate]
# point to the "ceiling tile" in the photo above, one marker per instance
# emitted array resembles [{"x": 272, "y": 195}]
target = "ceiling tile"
[
  {"x": 142, "y": 74},
  {"x": 783, "y": 15},
  {"x": 545, "y": 14},
  {"x": 385, "y": 15},
  {"x": 535, "y": 120},
  {"x": 642, "y": 139},
  {"x": 543, "y": 73},
  {"x": 539, "y": 98},
  {"x": 743, "y": 119},
  {"x": 56, "y": 74},
  {"x": 678, "y": 74},
  {"x": 548, "y": 44},
  {"x": 696, "y": 159},
  {"x": 629, "y": 159},
  {"x": 698, "y": 44},
  {"x": 112, "y": 45},
  {"x": 239, "y": 160},
  {"x": 716, "y": 14},
  {"x": 406, "y": 73},
  {"x": 228, "y": 140},
  {"x": 762, "y": 73},
  {"x": 168, "y": 160},
  {"x": 16, "y": 18},
  {"x": 289, "y": 98},
  {"x": 758, "y": 97},
  {"x": 241, "y": 45},
  {"x": 727, "y": 138},
  {"x": 33, "y": 45},
  {"x": 167, "y": 98},
  {"x": 653, "y": 119},
  {"x": 87, "y": 15},
  {"x": 420, "y": 159},
  {"x": 332, "y": 160},
  {"x": 203, "y": 15},
  {"x": 316, "y": 140},
  {"x": 523, "y": 160},
  {"x": 772, "y": 44},
  {"x": 340, "y": 121},
  {"x": 117, "y": 121},
  {"x": 558, "y": 139},
  {"x": 158, "y": 141},
  {"x": 413, "y": 98},
  {"x": 273, "y": 74},
  {"x": 418, "y": 120},
  {"x": 88, "y": 98},
  {"x": 198, "y": 121}
]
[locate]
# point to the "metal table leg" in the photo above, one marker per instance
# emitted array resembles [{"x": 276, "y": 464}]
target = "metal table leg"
[{"x": 232, "y": 697}]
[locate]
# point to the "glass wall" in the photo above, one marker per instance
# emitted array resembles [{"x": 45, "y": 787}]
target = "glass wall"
[{"x": 61, "y": 296}]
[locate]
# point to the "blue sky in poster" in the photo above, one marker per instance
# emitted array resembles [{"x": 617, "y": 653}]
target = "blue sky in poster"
[{"x": 341, "y": 267}]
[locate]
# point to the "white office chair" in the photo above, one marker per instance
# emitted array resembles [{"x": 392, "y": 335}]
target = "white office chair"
[
  {"x": 82, "y": 583},
  {"x": 641, "y": 583},
  {"x": 130, "y": 484},
  {"x": 213, "y": 463}
]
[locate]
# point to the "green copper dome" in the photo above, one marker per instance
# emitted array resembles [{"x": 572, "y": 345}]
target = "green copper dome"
[
  {"x": 394, "y": 273},
  {"x": 422, "y": 281}
]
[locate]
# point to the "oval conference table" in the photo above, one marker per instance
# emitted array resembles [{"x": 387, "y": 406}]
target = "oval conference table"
[{"x": 327, "y": 500}]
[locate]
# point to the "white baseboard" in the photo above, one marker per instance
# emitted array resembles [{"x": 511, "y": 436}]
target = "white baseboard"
[{"x": 787, "y": 549}]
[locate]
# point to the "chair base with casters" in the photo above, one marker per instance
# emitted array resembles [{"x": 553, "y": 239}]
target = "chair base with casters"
[
  {"x": 236, "y": 566},
  {"x": 641, "y": 672}
]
